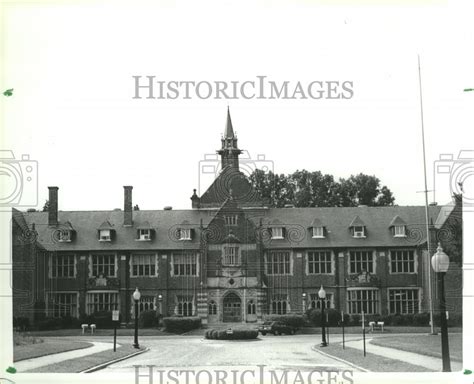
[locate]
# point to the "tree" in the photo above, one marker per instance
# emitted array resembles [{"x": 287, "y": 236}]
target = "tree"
[{"x": 46, "y": 206}]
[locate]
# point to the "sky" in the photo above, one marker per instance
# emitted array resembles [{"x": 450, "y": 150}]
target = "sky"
[{"x": 71, "y": 66}]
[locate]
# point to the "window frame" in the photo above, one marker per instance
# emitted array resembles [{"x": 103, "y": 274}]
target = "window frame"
[
  {"x": 311, "y": 264},
  {"x": 396, "y": 228},
  {"x": 145, "y": 236},
  {"x": 368, "y": 262},
  {"x": 374, "y": 302},
  {"x": 185, "y": 234},
  {"x": 316, "y": 235},
  {"x": 417, "y": 300},
  {"x": 284, "y": 267},
  {"x": 236, "y": 255},
  {"x": 91, "y": 265},
  {"x": 185, "y": 268},
  {"x": 54, "y": 268},
  {"x": 355, "y": 232},
  {"x": 89, "y": 304},
  {"x": 394, "y": 261},
  {"x": 51, "y": 310},
  {"x": 152, "y": 265},
  {"x": 105, "y": 238}
]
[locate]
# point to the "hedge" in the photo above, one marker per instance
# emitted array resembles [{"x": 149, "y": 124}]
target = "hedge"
[
  {"x": 333, "y": 317},
  {"x": 293, "y": 320},
  {"x": 148, "y": 319},
  {"x": 237, "y": 334},
  {"x": 21, "y": 323},
  {"x": 181, "y": 324}
]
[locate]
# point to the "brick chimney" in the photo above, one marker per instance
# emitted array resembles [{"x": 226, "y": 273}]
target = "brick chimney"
[
  {"x": 127, "y": 206},
  {"x": 53, "y": 206}
]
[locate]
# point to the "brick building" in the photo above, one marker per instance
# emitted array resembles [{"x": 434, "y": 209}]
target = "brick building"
[{"x": 228, "y": 259}]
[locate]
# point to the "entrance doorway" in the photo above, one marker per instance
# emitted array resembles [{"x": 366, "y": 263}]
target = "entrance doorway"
[{"x": 232, "y": 308}]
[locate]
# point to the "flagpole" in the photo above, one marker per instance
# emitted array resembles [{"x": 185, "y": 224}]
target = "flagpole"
[{"x": 428, "y": 239}]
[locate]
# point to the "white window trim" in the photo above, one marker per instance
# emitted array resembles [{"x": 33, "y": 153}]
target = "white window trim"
[
  {"x": 420, "y": 293},
  {"x": 363, "y": 289},
  {"x": 69, "y": 232},
  {"x": 99, "y": 254},
  {"x": 172, "y": 266},
  {"x": 399, "y": 235},
  {"x": 317, "y": 236},
  {"x": 106, "y": 239},
  {"x": 130, "y": 264},
  {"x": 238, "y": 256},
  {"x": 333, "y": 263},
  {"x": 187, "y": 231},
  {"x": 415, "y": 263},
  {"x": 50, "y": 267},
  {"x": 275, "y": 237},
  {"x": 362, "y": 236},
  {"x": 290, "y": 272},
  {"x": 144, "y": 238},
  {"x": 100, "y": 291},
  {"x": 374, "y": 260}
]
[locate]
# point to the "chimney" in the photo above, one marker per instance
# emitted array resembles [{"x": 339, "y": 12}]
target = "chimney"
[
  {"x": 127, "y": 206},
  {"x": 53, "y": 206},
  {"x": 196, "y": 201}
]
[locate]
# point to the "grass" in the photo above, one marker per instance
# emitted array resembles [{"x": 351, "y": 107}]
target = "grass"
[
  {"x": 101, "y": 332},
  {"x": 423, "y": 344},
  {"x": 387, "y": 330},
  {"x": 87, "y": 362},
  {"x": 25, "y": 338},
  {"x": 371, "y": 362},
  {"x": 47, "y": 347}
]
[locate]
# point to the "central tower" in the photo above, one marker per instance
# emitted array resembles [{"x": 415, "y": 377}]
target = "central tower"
[{"x": 229, "y": 151}]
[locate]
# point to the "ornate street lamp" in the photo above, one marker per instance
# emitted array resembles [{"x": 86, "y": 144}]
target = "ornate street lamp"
[
  {"x": 440, "y": 264},
  {"x": 322, "y": 297},
  {"x": 303, "y": 299},
  {"x": 136, "y": 298}
]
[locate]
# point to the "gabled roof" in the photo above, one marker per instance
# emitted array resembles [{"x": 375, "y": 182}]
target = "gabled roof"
[
  {"x": 316, "y": 223},
  {"x": 356, "y": 222},
  {"x": 106, "y": 225},
  {"x": 144, "y": 225},
  {"x": 397, "y": 220}
]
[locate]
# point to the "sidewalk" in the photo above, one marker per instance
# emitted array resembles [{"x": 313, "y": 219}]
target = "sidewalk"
[
  {"x": 26, "y": 365},
  {"x": 431, "y": 363}
]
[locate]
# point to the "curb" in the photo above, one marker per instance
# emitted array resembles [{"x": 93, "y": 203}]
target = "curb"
[
  {"x": 339, "y": 359},
  {"x": 103, "y": 365}
]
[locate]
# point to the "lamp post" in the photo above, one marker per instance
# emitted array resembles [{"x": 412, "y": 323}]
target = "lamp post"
[
  {"x": 440, "y": 264},
  {"x": 322, "y": 297},
  {"x": 303, "y": 299},
  {"x": 136, "y": 298}
]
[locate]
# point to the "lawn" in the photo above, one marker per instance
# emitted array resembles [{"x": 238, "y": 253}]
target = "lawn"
[
  {"x": 101, "y": 332},
  {"x": 46, "y": 347},
  {"x": 86, "y": 362},
  {"x": 423, "y": 344},
  {"x": 371, "y": 362}
]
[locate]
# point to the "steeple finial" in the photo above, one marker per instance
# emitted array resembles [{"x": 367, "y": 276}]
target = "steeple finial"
[{"x": 229, "y": 130}]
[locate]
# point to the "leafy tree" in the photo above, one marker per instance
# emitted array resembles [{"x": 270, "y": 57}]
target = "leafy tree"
[{"x": 46, "y": 206}]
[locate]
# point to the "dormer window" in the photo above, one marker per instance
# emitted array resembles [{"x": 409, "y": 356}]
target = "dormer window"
[
  {"x": 277, "y": 232},
  {"x": 358, "y": 228},
  {"x": 185, "y": 234},
  {"x": 144, "y": 234},
  {"x": 359, "y": 231},
  {"x": 399, "y": 231},
  {"x": 318, "y": 233},
  {"x": 105, "y": 235},
  {"x": 64, "y": 236}
]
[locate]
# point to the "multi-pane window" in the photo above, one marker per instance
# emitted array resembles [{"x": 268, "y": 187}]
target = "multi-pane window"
[
  {"x": 62, "y": 304},
  {"x": 315, "y": 301},
  {"x": 277, "y": 232},
  {"x": 103, "y": 265},
  {"x": 64, "y": 235},
  {"x": 185, "y": 234},
  {"x": 102, "y": 301},
  {"x": 361, "y": 261},
  {"x": 231, "y": 255},
  {"x": 251, "y": 307},
  {"x": 399, "y": 231},
  {"x": 279, "y": 305},
  {"x": 184, "y": 306},
  {"x": 365, "y": 300},
  {"x": 230, "y": 220},
  {"x": 144, "y": 234},
  {"x": 402, "y": 261},
  {"x": 104, "y": 235},
  {"x": 319, "y": 262},
  {"x": 146, "y": 303},
  {"x": 212, "y": 308},
  {"x": 185, "y": 264},
  {"x": 318, "y": 232},
  {"x": 358, "y": 231},
  {"x": 143, "y": 265},
  {"x": 278, "y": 263},
  {"x": 403, "y": 301},
  {"x": 63, "y": 265}
]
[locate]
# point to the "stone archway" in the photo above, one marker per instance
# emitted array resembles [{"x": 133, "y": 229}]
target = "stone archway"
[{"x": 232, "y": 308}]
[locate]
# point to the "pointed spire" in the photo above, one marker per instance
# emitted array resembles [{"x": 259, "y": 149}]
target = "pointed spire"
[{"x": 229, "y": 131}]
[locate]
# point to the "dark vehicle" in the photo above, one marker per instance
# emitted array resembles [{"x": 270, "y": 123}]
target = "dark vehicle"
[{"x": 277, "y": 328}]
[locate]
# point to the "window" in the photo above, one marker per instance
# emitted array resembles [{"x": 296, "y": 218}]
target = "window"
[
  {"x": 102, "y": 301},
  {"x": 144, "y": 234},
  {"x": 402, "y": 261},
  {"x": 212, "y": 308},
  {"x": 185, "y": 264},
  {"x": 63, "y": 266},
  {"x": 359, "y": 231},
  {"x": 399, "y": 231},
  {"x": 278, "y": 263},
  {"x": 279, "y": 305},
  {"x": 277, "y": 232},
  {"x": 231, "y": 255},
  {"x": 403, "y": 301},
  {"x": 361, "y": 261},
  {"x": 104, "y": 235},
  {"x": 319, "y": 262},
  {"x": 103, "y": 265},
  {"x": 230, "y": 220},
  {"x": 184, "y": 306},
  {"x": 64, "y": 236},
  {"x": 318, "y": 232},
  {"x": 62, "y": 304},
  {"x": 251, "y": 308},
  {"x": 315, "y": 301},
  {"x": 146, "y": 303},
  {"x": 143, "y": 265},
  {"x": 363, "y": 300},
  {"x": 185, "y": 234}
]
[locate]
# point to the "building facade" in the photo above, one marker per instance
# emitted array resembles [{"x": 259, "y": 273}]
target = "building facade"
[{"x": 229, "y": 258}]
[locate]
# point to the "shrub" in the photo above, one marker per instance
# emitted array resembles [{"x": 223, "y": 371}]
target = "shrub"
[
  {"x": 355, "y": 319},
  {"x": 421, "y": 318},
  {"x": 181, "y": 324},
  {"x": 237, "y": 334},
  {"x": 293, "y": 320},
  {"x": 49, "y": 323},
  {"x": 148, "y": 319},
  {"x": 21, "y": 323}
]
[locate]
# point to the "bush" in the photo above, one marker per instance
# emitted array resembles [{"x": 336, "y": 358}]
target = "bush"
[
  {"x": 421, "y": 318},
  {"x": 332, "y": 317},
  {"x": 49, "y": 323},
  {"x": 237, "y": 334},
  {"x": 293, "y": 320},
  {"x": 355, "y": 319},
  {"x": 181, "y": 324},
  {"x": 21, "y": 323},
  {"x": 148, "y": 319}
]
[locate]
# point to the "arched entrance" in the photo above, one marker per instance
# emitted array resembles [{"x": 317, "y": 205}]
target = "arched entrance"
[{"x": 232, "y": 308}]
